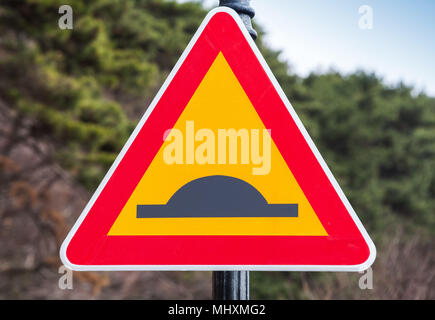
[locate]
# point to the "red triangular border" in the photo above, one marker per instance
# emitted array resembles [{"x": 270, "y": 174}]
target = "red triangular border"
[{"x": 347, "y": 246}]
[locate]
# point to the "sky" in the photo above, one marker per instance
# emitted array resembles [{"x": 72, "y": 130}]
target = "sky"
[{"x": 317, "y": 35}]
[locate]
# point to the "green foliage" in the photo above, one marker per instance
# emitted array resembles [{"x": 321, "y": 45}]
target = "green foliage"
[
  {"x": 379, "y": 142},
  {"x": 78, "y": 85}
]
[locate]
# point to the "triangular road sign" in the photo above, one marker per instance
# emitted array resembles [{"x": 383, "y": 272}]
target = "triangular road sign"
[{"x": 178, "y": 197}]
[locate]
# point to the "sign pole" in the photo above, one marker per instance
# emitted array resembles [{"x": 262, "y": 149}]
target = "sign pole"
[
  {"x": 231, "y": 285},
  {"x": 234, "y": 285},
  {"x": 245, "y": 11}
]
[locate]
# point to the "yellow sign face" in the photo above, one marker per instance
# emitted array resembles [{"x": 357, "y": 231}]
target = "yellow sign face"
[{"x": 203, "y": 119}]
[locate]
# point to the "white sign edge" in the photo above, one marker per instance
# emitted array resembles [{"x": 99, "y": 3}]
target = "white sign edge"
[{"x": 334, "y": 268}]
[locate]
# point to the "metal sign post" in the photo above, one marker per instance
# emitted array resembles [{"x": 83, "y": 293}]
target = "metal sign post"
[
  {"x": 231, "y": 285},
  {"x": 244, "y": 10},
  {"x": 234, "y": 285}
]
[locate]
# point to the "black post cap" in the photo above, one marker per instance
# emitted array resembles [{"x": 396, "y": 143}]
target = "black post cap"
[{"x": 245, "y": 11}]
